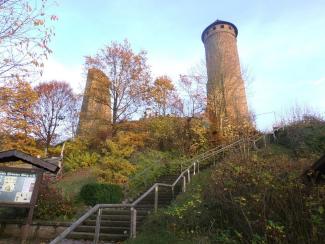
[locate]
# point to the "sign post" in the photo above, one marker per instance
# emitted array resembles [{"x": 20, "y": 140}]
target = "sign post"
[{"x": 19, "y": 186}]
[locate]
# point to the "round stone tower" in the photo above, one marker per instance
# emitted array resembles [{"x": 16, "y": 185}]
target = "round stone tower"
[{"x": 226, "y": 96}]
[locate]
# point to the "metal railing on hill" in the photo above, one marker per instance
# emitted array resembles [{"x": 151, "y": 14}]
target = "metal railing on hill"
[{"x": 183, "y": 179}]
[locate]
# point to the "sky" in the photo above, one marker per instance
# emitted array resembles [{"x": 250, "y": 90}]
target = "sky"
[{"x": 280, "y": 43}]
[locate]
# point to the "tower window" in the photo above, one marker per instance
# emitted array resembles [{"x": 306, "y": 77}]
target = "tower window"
[
  {"x": 214, "y": 27},
  {"x": 222, "y": 26},
  {"x": 230, "y": 28}
]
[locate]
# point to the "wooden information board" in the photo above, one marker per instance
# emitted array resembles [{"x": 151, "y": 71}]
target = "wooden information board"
[
  {"x": 16, "y": 187},
  {"x": 19, "y": 185}
]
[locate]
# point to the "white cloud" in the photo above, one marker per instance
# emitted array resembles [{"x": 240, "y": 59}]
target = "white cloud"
[
  {"x": 318, "y": 82},
  {"x": 54, "y": 70}
]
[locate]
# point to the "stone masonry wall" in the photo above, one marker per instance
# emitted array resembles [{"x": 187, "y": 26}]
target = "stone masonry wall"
[
  {"x": 224, "y": 73},
  {"x": 96, "y": 115}
]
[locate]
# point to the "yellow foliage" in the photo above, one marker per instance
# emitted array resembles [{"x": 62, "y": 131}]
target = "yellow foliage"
[
  {"x": 114, "y": 167},
  {"x": 114, "y": 170},
  {"x": 17, "y": 100},
  {"x": 21, "y": 142}
]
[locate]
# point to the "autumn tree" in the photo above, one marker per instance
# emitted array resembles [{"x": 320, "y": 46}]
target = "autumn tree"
[
  {"x": 129, "y": 77},
  {"x": 193, "y": 87},
  {"x": 25, "y": 32},
  {"x": 55, "y": 100},
  {"x": 17, "y": 116},
  {"x": 72, "y": 115},
  {"x": 17, "y": 100},
  {"x": 164, "y": 97}
]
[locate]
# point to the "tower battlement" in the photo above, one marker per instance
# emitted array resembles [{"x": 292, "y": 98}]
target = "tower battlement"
[{"x": 217, "y": 26}]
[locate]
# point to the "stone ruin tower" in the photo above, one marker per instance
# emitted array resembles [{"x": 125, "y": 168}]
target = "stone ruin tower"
[
  {"x": 96, "y": 115},
  {"x": 226, "y": 96}
]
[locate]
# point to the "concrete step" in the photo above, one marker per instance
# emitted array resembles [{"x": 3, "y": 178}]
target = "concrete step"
[
  {"x": 141, "y": 206},
  {"x": 152, "y": 197},
  {"x": 102, "y": 236},
  {"x": 116, "y": 217},
  {"x": 149, "y": 201},
  {"x": 104, "y": 229},
  {"x": 109, "y": 223},
  {"x": 122, "y": 212}
]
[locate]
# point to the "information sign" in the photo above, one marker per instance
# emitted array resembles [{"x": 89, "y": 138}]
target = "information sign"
[{"x": 16, "y": 187}]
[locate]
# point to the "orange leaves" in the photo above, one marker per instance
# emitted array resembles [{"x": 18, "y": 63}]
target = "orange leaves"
[
  {"x": 17, "y": 101},
  {"x": 165, "y": 98},
  {"x": 52, "y": 107},
  {"x": 54, "y": 18},
  {"x": 129, "y": 76},
  {"x": 38, "y": 22},
  {"x": 24, "y": 37}
]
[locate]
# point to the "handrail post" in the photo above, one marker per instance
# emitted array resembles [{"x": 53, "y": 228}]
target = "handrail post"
[
  {"x": 173, "y": 192},
  {"x": 184, "y": 183},
  {"x": 194, "y": 168},
  {"x": 244, "y": 149},
  {"x": 189, "y": 175},
  {"x": 198, "y": 167},
  {"x": 156, "y": 198},
  {"x": 97, "y": 228},
  {"x": 248, "y": 151},
  {"x": 254, "y": 144},
  {"x": 264, "y": 140},
  {"x": 133, "y": 227}
]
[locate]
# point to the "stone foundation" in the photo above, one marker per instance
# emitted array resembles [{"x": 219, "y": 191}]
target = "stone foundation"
[{"x": 40, "y": 231}]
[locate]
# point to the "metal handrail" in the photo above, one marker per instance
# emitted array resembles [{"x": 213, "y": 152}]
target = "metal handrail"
[
  {"x": 84, "y": 217},
  {"x": 195, "y": 158},
  {"x": 144, "y": 194},
  {"x": 154, "y": 187}
]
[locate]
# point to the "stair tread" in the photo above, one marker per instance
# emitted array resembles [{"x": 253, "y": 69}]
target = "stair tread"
[
  {"x": 105, "y": 227},
  {"x": 103, "y": 234},
  {"x": 108, "y": 221}
]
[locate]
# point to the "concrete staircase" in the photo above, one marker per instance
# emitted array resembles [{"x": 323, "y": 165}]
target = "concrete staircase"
[{"x": 115, "y": 223}]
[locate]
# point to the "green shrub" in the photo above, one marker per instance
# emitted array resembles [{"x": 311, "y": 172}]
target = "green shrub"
[
  {"x": 95, "y": 193},
  {"x": 264, "y": 198},
  {"x": 77, "y": 155},
  {"x": 258, "y": 200},
  {"x": 304, "y": 137}
]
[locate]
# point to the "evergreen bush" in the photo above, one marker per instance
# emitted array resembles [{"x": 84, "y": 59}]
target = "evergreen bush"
[{"x": 94, "y": 193}]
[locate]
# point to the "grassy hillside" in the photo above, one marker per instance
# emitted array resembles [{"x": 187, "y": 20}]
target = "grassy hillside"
[{"x": 259, "y": 200}]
